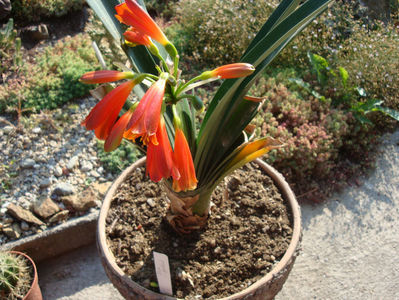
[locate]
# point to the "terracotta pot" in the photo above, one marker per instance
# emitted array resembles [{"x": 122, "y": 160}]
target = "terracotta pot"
[
  {"x": 265, "y": 288},
  {"x": 34, "y": 292}
]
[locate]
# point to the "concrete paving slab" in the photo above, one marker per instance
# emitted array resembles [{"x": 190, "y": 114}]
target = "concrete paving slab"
[
  {"x": 77, "y": 275},
  {"x": 350, "y": 245}
]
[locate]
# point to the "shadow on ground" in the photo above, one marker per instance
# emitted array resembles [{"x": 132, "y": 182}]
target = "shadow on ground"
[{"x": 76, "y": 275}]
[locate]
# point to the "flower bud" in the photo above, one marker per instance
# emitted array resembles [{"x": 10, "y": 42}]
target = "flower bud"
[
  {"x": 230, "y": 71},
  {"x": 104, "y": 76}
]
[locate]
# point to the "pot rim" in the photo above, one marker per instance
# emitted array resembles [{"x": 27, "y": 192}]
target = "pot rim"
[{"x": 278, "y": 269}]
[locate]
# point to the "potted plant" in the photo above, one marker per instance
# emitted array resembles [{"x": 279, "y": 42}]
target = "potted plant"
[
  {"x": 18, "y": 277},
  {"x": 187, "y": 156}
]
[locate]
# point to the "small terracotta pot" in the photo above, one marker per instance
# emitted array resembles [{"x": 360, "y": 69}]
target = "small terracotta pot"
[
  {"x": 265, "y": 288},
  {"x": 34, "y": 292}
]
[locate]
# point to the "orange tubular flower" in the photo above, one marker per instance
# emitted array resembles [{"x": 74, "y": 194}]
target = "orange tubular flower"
[
  {"x": 184, "y": 163},
  {"x": 102, "y": 117},
  {"x": 130, "y": 13},
  {"x": 115, "y": 137},
  {"x": 145, "y": 119},
  {"x": 137, "y": 38},
  {"x": 232, "y": 71},
  {"x": 104, "y": 76},
  {"x": 159, "y": 157}
]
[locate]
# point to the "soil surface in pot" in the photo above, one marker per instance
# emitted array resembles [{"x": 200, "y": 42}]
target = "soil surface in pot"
[{"x": 248, "y": 232}]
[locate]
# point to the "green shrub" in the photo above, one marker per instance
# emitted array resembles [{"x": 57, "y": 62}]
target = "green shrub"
[
  {"x": 311, "y": 129},
  {"x": 373, "y": 58},
  {"x": 319, "y": 138},
  {"x": 52, "y": 79},
  {"x": 120, "y": 158},
  {"x": 34, "y": 10},
  {"x": 10, "y": 48},
  {"x": 218, "y": 31},
  {"x": 160, "y": 7},
  {"x": 323, "y": 36}
]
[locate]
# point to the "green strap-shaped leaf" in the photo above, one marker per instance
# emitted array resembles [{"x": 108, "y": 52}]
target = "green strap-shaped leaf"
[
  {"x": 285, "y": 8},
  {"x": 234, "y": 125},
  {"x": 228, "y": 97}
]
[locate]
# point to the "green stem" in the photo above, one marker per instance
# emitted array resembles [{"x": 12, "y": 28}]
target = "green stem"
[
  {"x": 185, "y": 96},
  {"x": 152, "y": 76},
  {"x": 164, "y": 65},
  {"x": 192, "y": 80},
  {"x": 201, "y": 207},
  {"x": 176, "y": 65}
]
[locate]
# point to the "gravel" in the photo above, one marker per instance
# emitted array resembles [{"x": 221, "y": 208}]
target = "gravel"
[{"x": 50, "y": 155}]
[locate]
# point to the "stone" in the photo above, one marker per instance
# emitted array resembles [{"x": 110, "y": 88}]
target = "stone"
[
  {"x": 234, "y": 183},
  {"x": 58, "y": 171},
  {"x": 17, "y": 229},
  {"x": 83, "y": 202},
  {"x": 45, "y": 207},
  {"x": 64, "y": 189},
  {"x": 37, "y": 32},
  {"x": 101, "y": 188},
  {"x": 69, "y": 200},
  {"x": 86, "y": 166},
  {"x": 11, "y": 232},
  {"x": 7, "y": 220},
  {"x": 37, "y": 130},
  {"x": 61, "y": 216},
  {"x": 46, "y": 182},
  {"x": 27, "y": 163},
  {"x": 8, "y": 129},
  {"x": 24, "y": 226},
  {"x": 94, "y": 174},
  {"x": 73, "y": 162},
  {"x": 151, "y": 202},
  {"x": 22, "y": 214}
]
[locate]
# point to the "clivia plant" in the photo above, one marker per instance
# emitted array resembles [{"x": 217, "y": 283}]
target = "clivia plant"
[{"x": 189, "y": 157}]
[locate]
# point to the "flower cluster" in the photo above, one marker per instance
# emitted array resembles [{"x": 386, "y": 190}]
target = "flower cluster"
[{"x": 145, "y": 120}]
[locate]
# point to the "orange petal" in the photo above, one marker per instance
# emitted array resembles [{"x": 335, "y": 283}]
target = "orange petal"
[
  {"x": 110, "y": 105},
  {"x": 115, "y": 137},
  {"x": 184, "y": 162},
  {"x": 130, "y": 13},
  {"x": 137, "y": 38},
  {"x": 159, "y": 157},
  {"x": 102, "y": 131},
  {"x": 145, "y": 119}
]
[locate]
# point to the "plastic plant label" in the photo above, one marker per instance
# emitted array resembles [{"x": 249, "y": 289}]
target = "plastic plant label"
[{"x": 162, "y": 270}]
